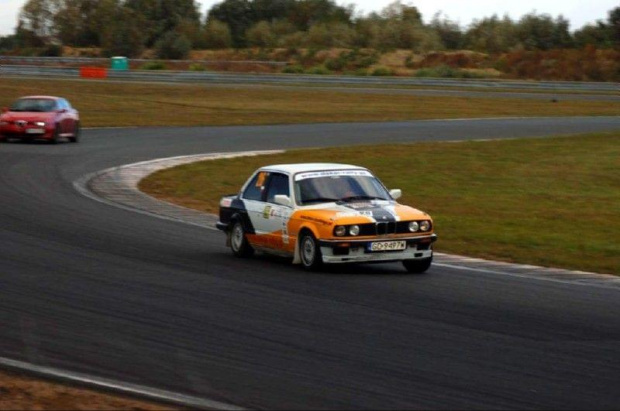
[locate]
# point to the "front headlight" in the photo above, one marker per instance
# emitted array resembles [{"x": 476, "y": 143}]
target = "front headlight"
[
  {"x": 414, "y": 226},
  {"x": 354, "y": 230},
  {"x": 425, "y": 225},
  {"x": 40, "y": 124},
  {"x": 340, "y": 231}
]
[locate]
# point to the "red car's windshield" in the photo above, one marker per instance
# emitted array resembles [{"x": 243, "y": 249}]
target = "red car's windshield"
[{"x": 34, "y": 105}]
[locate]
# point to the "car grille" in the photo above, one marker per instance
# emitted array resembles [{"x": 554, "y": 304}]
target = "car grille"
[{"x": 385, "y": 228}]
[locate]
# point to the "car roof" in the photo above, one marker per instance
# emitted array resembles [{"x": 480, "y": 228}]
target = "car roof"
[
  {"x": 307, "y": 167},
  {"x": 40, "y": 97}
]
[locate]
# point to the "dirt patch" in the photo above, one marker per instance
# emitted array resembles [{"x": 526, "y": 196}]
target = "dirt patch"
[{"x": 21, "y": 392}]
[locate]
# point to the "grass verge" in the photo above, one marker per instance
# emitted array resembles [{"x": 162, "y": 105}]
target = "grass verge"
[
  {"x": 21, "y": 392},
  {"x": 103, "y": 103},
  {"x": 551, "y": 202}
]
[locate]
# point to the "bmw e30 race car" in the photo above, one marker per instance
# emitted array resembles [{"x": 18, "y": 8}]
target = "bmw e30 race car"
[{"x": 325, "y": 213}]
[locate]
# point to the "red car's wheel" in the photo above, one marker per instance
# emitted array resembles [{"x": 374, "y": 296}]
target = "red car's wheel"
[
  {"x": 76, "y": 133},
  {"x": 56, "y": 135}
]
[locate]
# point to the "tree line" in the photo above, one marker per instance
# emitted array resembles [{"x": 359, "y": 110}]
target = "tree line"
[{"x": 174, "y": 27}]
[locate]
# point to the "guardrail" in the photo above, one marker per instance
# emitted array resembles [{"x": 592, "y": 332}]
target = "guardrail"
[
  {"x": 226, "y": 78},
  {"x": 29, "y": 60}
]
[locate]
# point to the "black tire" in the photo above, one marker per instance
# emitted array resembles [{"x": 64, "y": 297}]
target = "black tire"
[
  {"x": 310, "y": 252},
  {"x": 418, "y": 266},
  {"x": 76, "y": 133},
  {"x": 56, "y": 136},
  {"x": 238, "y": 242}
]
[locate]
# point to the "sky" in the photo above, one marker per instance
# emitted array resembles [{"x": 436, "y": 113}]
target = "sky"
[{"x": 578, "y": 12}]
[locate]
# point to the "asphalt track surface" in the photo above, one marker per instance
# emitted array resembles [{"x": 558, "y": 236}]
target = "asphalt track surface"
[{"x": 100, "y": 290}]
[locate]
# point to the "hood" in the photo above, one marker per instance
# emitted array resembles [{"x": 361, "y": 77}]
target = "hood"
[{"x": 366, "y": 212}]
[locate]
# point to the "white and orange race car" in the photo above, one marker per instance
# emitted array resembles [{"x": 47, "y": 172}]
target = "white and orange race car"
[{"x": 325, "y": 213}]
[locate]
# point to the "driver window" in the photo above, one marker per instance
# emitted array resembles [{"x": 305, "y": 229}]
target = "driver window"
[
  {"x": 255, "y": 189},
  {"x": 278, "y": 185}
]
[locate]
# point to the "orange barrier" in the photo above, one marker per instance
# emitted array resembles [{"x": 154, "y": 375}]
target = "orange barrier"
[{"x": 93, "y": 72}]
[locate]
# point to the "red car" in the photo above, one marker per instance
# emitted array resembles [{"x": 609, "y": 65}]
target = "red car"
[{"x": 40, "y": 118}]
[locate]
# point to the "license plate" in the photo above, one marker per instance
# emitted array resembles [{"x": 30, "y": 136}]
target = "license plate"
[
  {"x": 388, "y": 246},
  {"x": 35, "y": 131}
]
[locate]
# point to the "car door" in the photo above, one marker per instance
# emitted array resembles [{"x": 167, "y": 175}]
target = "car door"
[
  {"x": 276, "y": 216},
  {"x": 254, "y": 202}
]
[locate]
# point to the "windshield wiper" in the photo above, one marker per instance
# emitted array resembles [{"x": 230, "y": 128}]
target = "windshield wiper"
[
  {"x": 362, "y": 197},
  {"x": 320, "y": 200}
]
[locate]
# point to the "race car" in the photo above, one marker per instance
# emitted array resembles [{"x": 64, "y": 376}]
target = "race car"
[
  {"x": 325, "y": 214},
  {"x": 40, "y": 118}
]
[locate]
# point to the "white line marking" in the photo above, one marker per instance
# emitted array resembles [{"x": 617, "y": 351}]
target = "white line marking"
[
  {"x": 533, "y": 276},
  {"x": 132, "y": 389}
]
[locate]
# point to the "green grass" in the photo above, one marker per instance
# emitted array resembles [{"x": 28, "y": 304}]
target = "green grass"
[
  {"x": 105, "y": 103},
  {"x": 551, "y": 202}
]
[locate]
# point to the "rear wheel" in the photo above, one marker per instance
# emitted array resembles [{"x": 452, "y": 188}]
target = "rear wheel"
[
  {"x": 76, "y": 133},
  {"x": 310, "y": 252},
  {"x": 238, "y": 242},
  {"x": 418, "y": 266}
]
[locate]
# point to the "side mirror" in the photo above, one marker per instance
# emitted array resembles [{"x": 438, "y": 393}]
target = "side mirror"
[
  {"x": 62, "y": 110},
  {"x": 282, "y": 200},
  {"x": 396, "y": 193}
]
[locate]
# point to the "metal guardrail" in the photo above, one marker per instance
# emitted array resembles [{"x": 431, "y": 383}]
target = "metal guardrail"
[
  {"x": 29, "y": 60},
  {"x": 227, "y": 78}
]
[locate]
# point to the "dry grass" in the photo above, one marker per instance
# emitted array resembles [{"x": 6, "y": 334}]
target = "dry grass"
[
  {"x": 104, "y": 103},
  {"x": 552, "y": 202},
  {"x": 19, "y": 392}
]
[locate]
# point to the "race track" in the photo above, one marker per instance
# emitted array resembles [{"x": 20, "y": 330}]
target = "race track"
[{"x": 96, "y": 289}]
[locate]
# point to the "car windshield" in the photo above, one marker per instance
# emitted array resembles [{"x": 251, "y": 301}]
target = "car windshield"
[
  {"x": 338, "y": 186},
  {"x": 34, "y": 105}
]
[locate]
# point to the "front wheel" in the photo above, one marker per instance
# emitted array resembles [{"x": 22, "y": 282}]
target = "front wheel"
[
  {"x": 310, "y": 252},
  {"x": 56, "y": 135},
  {"x": 418, "y": 266},
  {"x": 238, "y": 242},
  {"x": 76, "y": 133}
]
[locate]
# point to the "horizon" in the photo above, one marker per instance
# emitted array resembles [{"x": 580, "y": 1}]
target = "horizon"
[{"x": 577, "y": 12}]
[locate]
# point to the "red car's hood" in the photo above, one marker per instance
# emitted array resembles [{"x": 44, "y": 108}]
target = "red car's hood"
[{"x": 27, "y": 116}]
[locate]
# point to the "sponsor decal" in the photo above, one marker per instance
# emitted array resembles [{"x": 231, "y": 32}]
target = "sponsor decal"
[
  {"x": 316, "y": 220},
  {"x": 267, "y": 212},
  {"x": 333, "y": 173},
  {"x": 363, "y": 213}
]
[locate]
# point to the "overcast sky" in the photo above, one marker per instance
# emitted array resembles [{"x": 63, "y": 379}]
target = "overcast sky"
[{"x": 578, "y": 12}]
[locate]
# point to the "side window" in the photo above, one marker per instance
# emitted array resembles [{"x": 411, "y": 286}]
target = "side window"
[
  {"x": 254, "y": 190},
  {"x": 278, "y": 184}
]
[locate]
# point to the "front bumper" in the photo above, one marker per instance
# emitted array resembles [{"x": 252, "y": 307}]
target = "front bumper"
[
  {"x": 27, "y": 133},
  {"x": 345, "y": 251}
]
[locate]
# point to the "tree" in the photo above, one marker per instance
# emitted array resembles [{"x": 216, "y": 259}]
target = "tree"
[
  {"x": 216, "y": 35},
  {"x": 449, "y": 32},
  {"x": 162, "y": 16},
  {"x": 37, "y": 17},
  {"x": 492, "y": 35},
  {"x": 122, "y": 35},
  {"x": 173, "y": 45},
  {"x": 542, "y": 32},
  {"x": 238, "y": 15},
  {"x": 261, "y": 35}
]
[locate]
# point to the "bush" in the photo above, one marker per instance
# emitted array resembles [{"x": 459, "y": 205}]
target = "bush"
[
  {"x": 382, "y": 71},
  {"x": 153, "y": 65},
  {"x": 446, "y": 72},
  {"x": 173, "y": 46},
  {"x": 318, "y": 70},
  {"x": 294, "y": 69},
  {"x": 196, "y": 67}
]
